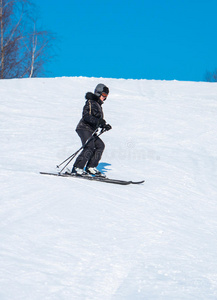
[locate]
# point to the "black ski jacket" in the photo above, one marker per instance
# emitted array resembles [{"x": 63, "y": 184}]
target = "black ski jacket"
[{"x": 92, "y": 113}]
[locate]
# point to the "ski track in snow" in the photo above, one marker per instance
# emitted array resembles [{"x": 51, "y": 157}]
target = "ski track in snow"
[{"x": 65, "y": 238}]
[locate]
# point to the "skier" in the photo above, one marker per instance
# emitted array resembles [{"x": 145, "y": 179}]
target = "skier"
[{"x": 92, "y": 118}]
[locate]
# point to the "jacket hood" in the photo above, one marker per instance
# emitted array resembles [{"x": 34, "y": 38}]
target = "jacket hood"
[{"x": 91, "y": 96}]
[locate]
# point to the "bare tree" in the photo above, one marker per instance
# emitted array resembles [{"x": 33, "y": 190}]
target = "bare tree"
[
  {"x": 211, "y": 76},
  {"x": 24, "y": 49}
]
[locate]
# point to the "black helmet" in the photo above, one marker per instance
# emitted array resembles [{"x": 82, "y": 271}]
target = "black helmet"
[{"x": 101, "y": 88}]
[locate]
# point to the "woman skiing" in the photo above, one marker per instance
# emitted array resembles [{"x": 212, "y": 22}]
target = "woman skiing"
[{"x": 92, "y": 118}]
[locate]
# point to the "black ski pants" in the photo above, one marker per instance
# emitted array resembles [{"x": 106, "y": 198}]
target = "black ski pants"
[{"x": 92, "y": 152}]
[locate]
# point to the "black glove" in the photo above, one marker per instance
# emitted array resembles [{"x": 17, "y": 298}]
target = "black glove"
[
  {"x": 101, "y": 123},
  {"x": 107, "y": 127}
]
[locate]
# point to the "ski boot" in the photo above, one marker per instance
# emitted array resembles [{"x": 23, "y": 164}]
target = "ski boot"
[
  {"x": 94, "y": 172},
  {"x": 79, "y": 172}
]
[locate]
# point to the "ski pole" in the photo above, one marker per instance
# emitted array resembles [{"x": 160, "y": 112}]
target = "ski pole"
[
  {"x": 71, "y": 157},
  {"x": 74, "y": 154}
]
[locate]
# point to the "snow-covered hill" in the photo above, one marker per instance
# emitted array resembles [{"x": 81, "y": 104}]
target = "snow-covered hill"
[{"x": 69, "y": 239}]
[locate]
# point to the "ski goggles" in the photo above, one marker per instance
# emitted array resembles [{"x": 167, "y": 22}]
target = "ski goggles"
[{"x": 104, "y": 95}]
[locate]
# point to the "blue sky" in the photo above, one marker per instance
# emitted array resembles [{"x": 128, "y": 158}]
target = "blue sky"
[{"x": 140, "y": 39}]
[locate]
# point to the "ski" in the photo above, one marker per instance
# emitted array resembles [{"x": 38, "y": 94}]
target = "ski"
[{"x": 102, "y": 179}]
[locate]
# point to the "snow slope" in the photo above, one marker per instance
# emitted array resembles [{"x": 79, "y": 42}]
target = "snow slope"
[{"x": 66, "y": 239}]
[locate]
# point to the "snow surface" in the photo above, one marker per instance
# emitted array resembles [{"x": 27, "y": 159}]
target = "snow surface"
[{"x": 66, "y": 239}]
